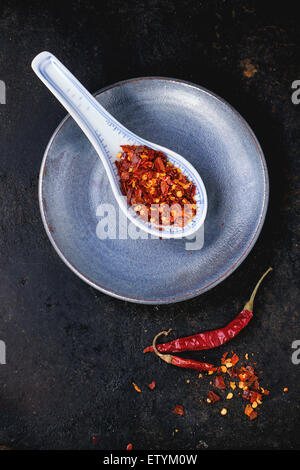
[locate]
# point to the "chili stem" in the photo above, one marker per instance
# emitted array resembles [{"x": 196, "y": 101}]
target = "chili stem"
[
  {"x": 249, "y": 305},
  {"x": 165, "y": 357}
]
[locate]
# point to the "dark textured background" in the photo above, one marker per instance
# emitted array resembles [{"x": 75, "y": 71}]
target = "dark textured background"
[{"x": 72, "y": 352}]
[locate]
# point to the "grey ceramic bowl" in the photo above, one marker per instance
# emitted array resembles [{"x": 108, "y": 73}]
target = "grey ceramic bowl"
[{"x": 198, "y": 125}]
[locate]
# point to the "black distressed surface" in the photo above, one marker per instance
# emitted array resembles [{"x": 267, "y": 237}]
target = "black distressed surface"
[{"x": 73, "y": 352}]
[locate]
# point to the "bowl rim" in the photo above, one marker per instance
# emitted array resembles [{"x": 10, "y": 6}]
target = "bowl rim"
[{"x": 179, "y": 298}]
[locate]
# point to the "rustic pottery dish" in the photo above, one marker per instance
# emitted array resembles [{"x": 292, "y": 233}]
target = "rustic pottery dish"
[
  {"x": 107, "y": 135},
  {"x": 206, "y": 131}
]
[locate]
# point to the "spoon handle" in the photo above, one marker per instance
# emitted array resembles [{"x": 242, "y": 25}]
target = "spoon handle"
[{"x": 98, "y": 125}]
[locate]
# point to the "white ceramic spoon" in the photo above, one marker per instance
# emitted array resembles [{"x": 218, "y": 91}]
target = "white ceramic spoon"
[{"x": 107, "y": 134}]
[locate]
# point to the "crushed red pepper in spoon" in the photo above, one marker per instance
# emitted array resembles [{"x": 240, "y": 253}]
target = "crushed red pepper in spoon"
[
  {"x": 214, "y": 338},
  {"x": 179, "y": 361},
  {"x": 156, "y": 189}
]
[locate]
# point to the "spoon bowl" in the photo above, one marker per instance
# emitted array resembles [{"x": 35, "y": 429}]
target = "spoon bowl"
[{"x": 106, "y": 134}]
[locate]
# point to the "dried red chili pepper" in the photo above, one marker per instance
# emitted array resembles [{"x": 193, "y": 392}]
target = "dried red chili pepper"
[
  {"x": 212, "y": 339},
  {"x": 157, "y": 190},
  {"x": 179, "y": 361}
]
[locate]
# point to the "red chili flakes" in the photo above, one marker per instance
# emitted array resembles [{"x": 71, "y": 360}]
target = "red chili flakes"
[
  {"x": 248, "y": 409},
  {"x": 253, "y": 415},
  {"x": 152, "y": 385},
  {"x": 243, "y": 380},
  {"x": 157, "y": 190},
  {"x": 213, "y": 396},
  {"x": 224, "y": 357},
  {"x": 179, "y": 410},
  {"x": 246, "y": 395},
  {"x": 136, "y": 387},
  {"x": 129, "y": 446},
  {"x": 95, "y": 440},
  {"x": 250, "y": 412},
  {"x": 230, "y": 361},
  {"x": 254, "y": 396},
  {"x": 235, "y": 359},
  {"x": 219, "y": 382}
]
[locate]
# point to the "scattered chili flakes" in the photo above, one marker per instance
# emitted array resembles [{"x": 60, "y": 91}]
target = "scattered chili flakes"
[
  {"x": 152, "y": 385},
  {"x": 224, "y": 357},
  {"x": 95, "y": 440},
  {"x": 235, "y": 359},
  {"x": 157, "y": 190},
  {"x": 230, "y": 361},
  {"x": 136, "y": 387},
  {"x": 243, "y": 377},
  {"x": 219, "y": 382},
  {"x": 178, "y": 410},
  {"x": 129, "y": 446},
  {"x": 248, "y": 409},
  {"x": 253, "y": 415},
  {"x": 213, "y": 397},
  {"x": 249, "y": 70}
]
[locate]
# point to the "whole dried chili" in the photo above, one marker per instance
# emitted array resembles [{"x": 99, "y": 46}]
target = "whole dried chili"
[
  {"x": 157, "y": 190},
  {"x": 179, "y": 361},
  {"x": 212, "y": 339}
]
